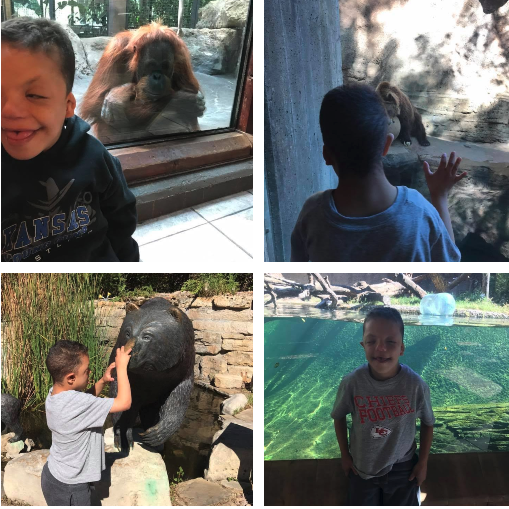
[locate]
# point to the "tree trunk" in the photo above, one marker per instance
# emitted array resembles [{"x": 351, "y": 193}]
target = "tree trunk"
[{"x": 408, "y": 283}]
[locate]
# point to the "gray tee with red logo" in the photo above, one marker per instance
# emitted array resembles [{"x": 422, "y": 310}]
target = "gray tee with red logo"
[{"x": 383, "y": 417}]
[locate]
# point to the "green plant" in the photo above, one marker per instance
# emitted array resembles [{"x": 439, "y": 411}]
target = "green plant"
[
  {"x": 179, "y": 476},
  {"x": 37, "y": 311},
  {"x": 231, "y": 479},
  {"x": 209, "y": 284}
]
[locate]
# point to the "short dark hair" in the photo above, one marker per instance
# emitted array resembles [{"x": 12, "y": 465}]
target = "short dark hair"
[
  {"x": 387, "y": 313},
  {"x": 64, "y": 357},
  {"x": 354, "y": 127},
  {"x": 42, "y": 35}
]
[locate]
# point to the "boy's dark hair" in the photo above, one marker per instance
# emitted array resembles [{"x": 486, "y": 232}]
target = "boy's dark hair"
[
  {"x": 354, "y": 127},
  {"x": 42, "y": 35},
  {"x": 64, "y": 357},
  {"x": 390, "y": 314}
]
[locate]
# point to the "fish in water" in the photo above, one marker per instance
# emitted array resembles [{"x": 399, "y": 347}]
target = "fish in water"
[{"x": 276, "y": 365}]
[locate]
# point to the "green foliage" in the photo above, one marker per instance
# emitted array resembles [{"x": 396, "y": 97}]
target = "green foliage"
[
  {"x": 500, "y": 288},
  {"x": 165, "y": 11},
  {"x": 209, "y": 284},
  {"x": 179, "y": 477},
  {"x": 128, "y": 286},
  {"x": 37, "y": 311}
]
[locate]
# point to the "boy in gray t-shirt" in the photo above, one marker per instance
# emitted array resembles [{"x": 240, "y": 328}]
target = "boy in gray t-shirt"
[
  {"x": 76, "y": 419},
  {"x": 384, "y": 398},
  {"x": 366, "y": 218}
]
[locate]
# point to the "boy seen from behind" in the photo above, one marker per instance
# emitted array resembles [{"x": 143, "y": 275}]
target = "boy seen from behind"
[
  {"x": 75, "y": 419},
  {"x": 384, "y": 398},
  {"x": 366, "y": 218},
  {"x": 64, "y": 197}
]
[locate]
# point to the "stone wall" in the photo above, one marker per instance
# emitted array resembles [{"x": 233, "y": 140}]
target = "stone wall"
[
  {"x": 449, "y": 57},
  {"x": 223, "y": 328}
]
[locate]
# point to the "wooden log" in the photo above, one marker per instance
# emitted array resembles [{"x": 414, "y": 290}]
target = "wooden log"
[
  {"x": 328, "y": 289},
  {"x": 408, "y": 283},
  {"x": 458, "y": 280}
]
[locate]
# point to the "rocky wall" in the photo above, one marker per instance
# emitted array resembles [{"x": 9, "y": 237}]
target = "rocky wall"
[
  {"x": 223, "y": 327},
  {"x": 450, "y": 57}
]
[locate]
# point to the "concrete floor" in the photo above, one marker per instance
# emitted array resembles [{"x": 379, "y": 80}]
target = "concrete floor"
[{"x": 220, "y": 230}]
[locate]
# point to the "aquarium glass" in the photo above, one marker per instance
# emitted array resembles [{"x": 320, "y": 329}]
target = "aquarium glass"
[{"x": 466, "y": 368}]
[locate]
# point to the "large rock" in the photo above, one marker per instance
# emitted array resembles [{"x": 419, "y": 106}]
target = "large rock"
[
  {"x": 22, "y": 478},
  {"x": 232, "y": 454},
  {"x": 224, "y": 327},
  {"x": 225, "y": 381},
  {"x": 94, "y": 48},
  {"x": 223, "y": 14},
  {"x": 241, "y": 345},
  {"x": 452, "y": 73},
  {"x": 214, "y": 51},
  {"x": 212, "y": 365},
  {"x": 207, "y": 342},
  {"x": 199, "y": 492},
  {"x": 246, "y": 372},
  {"x": 233, "y": 403},
  {"x": 236, "y": 302},
  {"x": 80, "y": 56},
  {"x": 121, "y": 483},
  {"x": 239, "y": 358}
]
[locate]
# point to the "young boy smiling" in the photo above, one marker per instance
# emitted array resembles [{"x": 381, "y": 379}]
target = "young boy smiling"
[
  {"x": 76, "y": 419},
  {"x": 385, "y": 398},
  {"x": 64, "y": 197}
]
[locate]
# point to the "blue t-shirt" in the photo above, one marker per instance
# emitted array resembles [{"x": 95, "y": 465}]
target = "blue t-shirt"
[{"x": 410, "y": 230}]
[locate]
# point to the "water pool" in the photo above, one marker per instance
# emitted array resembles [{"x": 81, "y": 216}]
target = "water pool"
[{"x": 465, "y": 366}]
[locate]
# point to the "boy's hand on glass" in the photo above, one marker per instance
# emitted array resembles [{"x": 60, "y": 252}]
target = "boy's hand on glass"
[
  {"x": 347, "y": 464},
  {"x": 107, "y": 374},
  {"x": 443, "y": 179},
  {"x": 122, "y": 358},
  {"x": 419, "y": 472}
]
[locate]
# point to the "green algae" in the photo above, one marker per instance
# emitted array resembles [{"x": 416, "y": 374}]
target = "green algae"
[{"x": 465, "y": 367}]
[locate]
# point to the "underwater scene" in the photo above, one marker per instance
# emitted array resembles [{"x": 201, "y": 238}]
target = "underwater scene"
[{"x": 465, "y": 366}]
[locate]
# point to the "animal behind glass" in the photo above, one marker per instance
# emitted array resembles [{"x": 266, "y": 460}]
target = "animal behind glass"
[
  {"x": 397, "y": 104},
  {"x": 140, "y": 74}
]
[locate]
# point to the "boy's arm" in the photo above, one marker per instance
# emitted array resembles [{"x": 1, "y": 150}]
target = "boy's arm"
[
  {"x": 118, "y": 205},
  {"x": 96, "y": 389},
  {"x": 426, "y": 437},
  {"x": 341, "y": 434},
  {"x": 440, "y": 203},
  {"x": 440, "y": 183}
]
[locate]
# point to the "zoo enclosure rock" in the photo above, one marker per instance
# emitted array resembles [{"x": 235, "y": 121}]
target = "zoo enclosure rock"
[
  {"x": 22, "y": 478},
  {"x": 121, "y": 483},
  {"x": 449, "y": 58},
  {"x": 224, "y": 14},
  {"x": 232, "y": 449},
  {"x": 223, "y": 327}
]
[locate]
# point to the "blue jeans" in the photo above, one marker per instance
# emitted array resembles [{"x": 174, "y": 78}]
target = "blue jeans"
[{"x": 393, "y": 488}]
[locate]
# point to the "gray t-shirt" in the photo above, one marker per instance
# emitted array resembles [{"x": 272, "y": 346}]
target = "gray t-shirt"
[
  {"x": 383, "y": 417},
  {"x": 410, "y": 230},
  {"x": 77, "y": 449}
]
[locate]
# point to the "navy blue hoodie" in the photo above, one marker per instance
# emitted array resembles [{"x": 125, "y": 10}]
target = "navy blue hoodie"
[{"x": 70, "y": 203}]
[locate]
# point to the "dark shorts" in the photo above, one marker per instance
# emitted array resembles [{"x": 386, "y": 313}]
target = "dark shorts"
[
  {"x": 393, "y": 488},
  {"x": 59, "y": 493}
]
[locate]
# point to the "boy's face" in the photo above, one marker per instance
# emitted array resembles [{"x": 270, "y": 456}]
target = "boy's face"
[
  {"x": 78, "y": 380},
  {"x": 383, "y": 346},
  {"x": 34, "y": 102}
]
